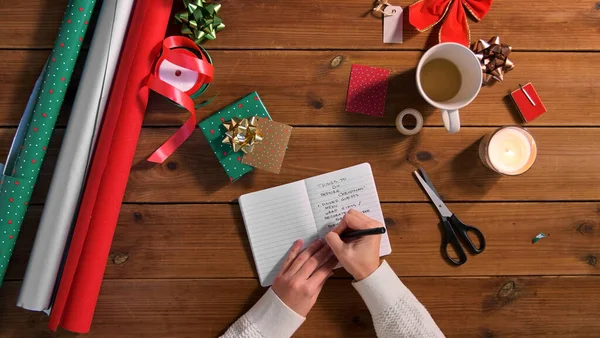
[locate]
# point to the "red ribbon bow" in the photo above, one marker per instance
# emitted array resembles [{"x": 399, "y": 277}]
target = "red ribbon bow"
[
  {"x": 425, "y": 14},
  {"x": 178, "y": 50}
]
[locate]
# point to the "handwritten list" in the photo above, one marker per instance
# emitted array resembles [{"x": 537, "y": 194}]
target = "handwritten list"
[
  {"x": 332, "y": 195},
  {"x": 307, "y": 209}
]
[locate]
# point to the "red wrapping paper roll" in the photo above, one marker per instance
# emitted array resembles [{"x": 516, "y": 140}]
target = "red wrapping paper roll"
[{"x": 79, "y": 287}]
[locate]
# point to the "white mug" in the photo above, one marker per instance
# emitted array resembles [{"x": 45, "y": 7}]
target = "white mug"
[{"x": 470, "y": 71}]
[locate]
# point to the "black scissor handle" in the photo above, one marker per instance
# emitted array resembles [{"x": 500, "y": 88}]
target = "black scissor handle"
[
  {"x": 464, "y": 230},
  {"x": 450, "y": 239}
]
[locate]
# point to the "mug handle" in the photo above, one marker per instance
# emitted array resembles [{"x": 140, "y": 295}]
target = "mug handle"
[{"x": 451, "y": 120}]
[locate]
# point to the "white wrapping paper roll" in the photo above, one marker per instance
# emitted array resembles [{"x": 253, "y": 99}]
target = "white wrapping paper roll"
[{"x": 75, "y": 153}]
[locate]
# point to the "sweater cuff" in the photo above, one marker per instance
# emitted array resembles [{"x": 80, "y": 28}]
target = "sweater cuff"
[
  {"x": 273, "y": 318},
  {"x": 381, "y": 289}
]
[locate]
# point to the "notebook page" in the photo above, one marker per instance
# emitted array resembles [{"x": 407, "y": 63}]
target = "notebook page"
[
  {"x": 333, "y": 194},
  {"x": 274, "y": 219}
]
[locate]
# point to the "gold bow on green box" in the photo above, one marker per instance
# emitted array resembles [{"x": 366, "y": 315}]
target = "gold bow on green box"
[
  {"x": 242, "y": 134},
  {"x": 200, "y": 20}
]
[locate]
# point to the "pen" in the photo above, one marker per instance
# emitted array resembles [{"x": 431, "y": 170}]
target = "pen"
[{"x": 366, "y": 232}]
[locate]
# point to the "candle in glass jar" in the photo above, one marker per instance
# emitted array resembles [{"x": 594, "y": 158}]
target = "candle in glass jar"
[{"x": 508, "y": 150}]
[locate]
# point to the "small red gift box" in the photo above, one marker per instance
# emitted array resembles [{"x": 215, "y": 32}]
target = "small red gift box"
[{"x": 528, "y": 102}]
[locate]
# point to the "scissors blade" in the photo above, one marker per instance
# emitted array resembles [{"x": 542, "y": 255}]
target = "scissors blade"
[
  {"x": 428, "y": 181},
  {"x": 439, "y": 204}
]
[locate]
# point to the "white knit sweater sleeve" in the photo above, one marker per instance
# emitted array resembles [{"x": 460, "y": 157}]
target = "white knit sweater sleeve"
[
  {"x": 268, "y": 318},
  {"x": 396, "y": 312}
]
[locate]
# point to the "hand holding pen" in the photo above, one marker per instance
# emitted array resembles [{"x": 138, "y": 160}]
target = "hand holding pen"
[
  {"x": 360, "y": 257},
  {"x": 361, "y": 233}
]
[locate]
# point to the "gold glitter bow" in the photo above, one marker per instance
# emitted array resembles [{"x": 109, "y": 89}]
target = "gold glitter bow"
[
  {"x": 494, "y": 59},
  {"x": 200, "y": 20},
  {"x": 242, "y": 134}
]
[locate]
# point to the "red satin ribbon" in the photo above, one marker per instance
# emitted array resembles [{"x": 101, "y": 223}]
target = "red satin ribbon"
[
  {"x": 175, "y": 49},
  {"x": 425, "y": 14}
]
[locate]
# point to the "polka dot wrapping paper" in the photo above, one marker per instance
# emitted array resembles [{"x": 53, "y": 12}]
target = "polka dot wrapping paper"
[
  {"x": 16, "y": 189},
  {"x": 246, "y": 107},
  {"x": 367, "y": 90},
  {"x": 268, "y": 154}
]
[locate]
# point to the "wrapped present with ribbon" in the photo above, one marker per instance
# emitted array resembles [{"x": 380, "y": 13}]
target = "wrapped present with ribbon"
[
  {"x": 424, "y": 14},
  {"x": 493, "y": 56},
  {"x": 243, "y": 136},
  {"x": 214, "y": 128},
  {"x": 200, "y": 20}
]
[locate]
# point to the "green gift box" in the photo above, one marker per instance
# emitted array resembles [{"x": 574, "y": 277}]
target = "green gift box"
[{"x": 246, "y": 107}]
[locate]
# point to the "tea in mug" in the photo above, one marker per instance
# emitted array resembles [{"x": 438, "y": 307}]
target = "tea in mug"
[{"x": 440, "y": 79}]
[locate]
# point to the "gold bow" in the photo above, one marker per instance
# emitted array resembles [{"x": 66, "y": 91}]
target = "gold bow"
[
  {"x": 494, "y": 59},
  {"x": 242, "y": 134},
  {"x": 200, "y": 20}
]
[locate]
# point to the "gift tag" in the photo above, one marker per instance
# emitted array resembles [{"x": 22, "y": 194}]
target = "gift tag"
[{"x": 392, "y": 24}]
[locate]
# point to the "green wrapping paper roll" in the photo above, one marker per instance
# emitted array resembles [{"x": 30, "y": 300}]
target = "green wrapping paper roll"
[{"x": 17, "y": 186}]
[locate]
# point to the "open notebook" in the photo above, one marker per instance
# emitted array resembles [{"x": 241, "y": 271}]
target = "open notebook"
[{"x": 306, "y": 209}]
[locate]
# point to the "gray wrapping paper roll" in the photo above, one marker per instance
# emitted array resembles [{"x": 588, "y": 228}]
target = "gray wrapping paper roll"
[{"x": 75, "y": 153}]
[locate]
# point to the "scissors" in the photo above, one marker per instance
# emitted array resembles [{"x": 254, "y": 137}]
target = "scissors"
[{"x": 453, "y": 227}]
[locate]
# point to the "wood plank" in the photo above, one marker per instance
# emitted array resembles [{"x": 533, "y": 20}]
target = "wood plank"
[
  {"x": 350, "y": 26},
  {"x": 462, "y": 307},
  {"x": 309, "y": 92},
  {"x": 188, "y": 241},
  {"x": 568, "y": 161},
  {"x": 267, "y": 24},
  {"x": 30, "y": 24},
  {"x": 567, "y": 164}
]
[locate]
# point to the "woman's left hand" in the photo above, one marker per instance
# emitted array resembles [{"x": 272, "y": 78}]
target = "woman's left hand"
[{"x": 303, "y": 275}]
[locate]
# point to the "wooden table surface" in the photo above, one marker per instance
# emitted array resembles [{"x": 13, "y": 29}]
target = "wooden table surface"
[{"x": 180, "y": 264}]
